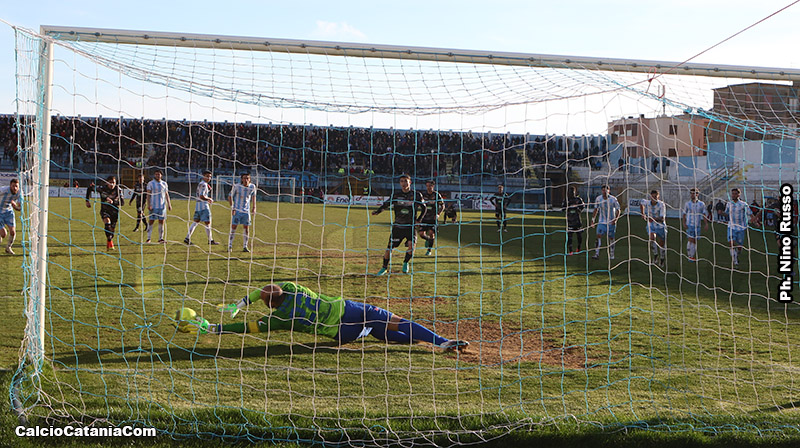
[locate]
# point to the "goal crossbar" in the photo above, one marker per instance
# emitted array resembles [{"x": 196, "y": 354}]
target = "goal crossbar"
[{"x": 417, "y": 53}]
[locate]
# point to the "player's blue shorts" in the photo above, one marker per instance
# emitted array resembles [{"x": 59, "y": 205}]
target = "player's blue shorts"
[
  {"x": 157, "y": 214},
  {"x": 693, "y": 232},
  {"x": 607, "y": 229},
  {"x": 240, "y": 218},
  {"x": 736, "y": 235},
  {"x": 360, "y": 320},
  {"x": 202, "y": 216},
  {"x": 659, "y": 229},
  {"x": 7, "y": 218}
]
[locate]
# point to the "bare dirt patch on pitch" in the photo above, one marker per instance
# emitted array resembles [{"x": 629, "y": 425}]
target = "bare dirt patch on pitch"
[{"x": 491, "y": 346}]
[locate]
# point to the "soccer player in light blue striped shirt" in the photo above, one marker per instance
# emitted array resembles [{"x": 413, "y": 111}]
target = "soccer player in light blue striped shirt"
[
  {"x": 694, "y": 212},
  {"x": 654, "y": 213},
  {"x": 202, "y": 209},
  {"x": 157, "y": 199},
  {"x": 9, "y": 201},
  {"x": 242, "y": 204},
  {"x": 608, "y": 209},
  {"x": 738, "y": 218}
]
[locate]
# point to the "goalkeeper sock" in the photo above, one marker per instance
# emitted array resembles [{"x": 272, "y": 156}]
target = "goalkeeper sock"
[
  {"x": 385, "y": 263},
  {"x": 246, "y": 300},
  {"x": 109, "y": 233},
  {"x": 419, "y": 333},
  {"x": 395, "y": 336},
  {"x": 407, "y": 257}
]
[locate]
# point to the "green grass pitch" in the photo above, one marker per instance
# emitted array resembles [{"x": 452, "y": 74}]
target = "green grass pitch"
[{"x": 558, "y": 343}]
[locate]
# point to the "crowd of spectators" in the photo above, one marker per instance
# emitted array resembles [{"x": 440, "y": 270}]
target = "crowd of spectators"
[
  {"x": 228, "y": 147},
  {"x": 8, "y": 138}
]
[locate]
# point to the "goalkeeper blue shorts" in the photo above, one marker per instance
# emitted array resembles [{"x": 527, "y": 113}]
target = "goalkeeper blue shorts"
[{"x": 360, "y": 320}]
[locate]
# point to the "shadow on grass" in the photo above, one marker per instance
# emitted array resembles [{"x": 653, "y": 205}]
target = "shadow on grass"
[{"x": 175, "y": 353}]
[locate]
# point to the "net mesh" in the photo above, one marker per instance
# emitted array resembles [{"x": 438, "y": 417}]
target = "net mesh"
[{"x": 557, "y": 337}]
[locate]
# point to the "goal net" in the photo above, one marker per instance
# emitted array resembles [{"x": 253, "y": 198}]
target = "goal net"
[
  {"x": 270, "y": 188},
  {"x": 659, "y": 316}
]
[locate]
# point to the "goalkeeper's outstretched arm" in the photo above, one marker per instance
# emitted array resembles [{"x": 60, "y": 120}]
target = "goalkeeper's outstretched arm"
[{"x": 297, "y": 308}]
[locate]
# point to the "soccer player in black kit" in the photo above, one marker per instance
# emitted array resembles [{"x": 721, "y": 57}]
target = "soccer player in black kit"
[
  {"x": 574, "y": 206},
  {"x": 409, "y": 208},
  {"x": 450, "y": 213},
  {"x": 500, "y": 202},
  {"x": 110, "y": 197},
  {"x": 138, "y": 196},
  {"x": 434, "y": 203}
]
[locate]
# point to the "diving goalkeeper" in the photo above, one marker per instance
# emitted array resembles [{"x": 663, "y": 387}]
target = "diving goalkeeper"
[{"x": 297, "y": 308}]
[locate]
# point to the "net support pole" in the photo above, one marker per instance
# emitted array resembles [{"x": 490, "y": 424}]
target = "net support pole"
[{"x": 42, "y": 173}]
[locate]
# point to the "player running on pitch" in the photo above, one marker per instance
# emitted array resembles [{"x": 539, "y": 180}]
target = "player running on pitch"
[
  {"x": 434, "y": 206},
  {"x": 110, "y": 200},
  {"x": 500, "y": 202},
  {"x": 409, "y": 208},
  {"x": 297, "y": 308},
  {"x": 574, "y": 208},
  {"x": 202, "y": 209},
  {"x": 9, "y": 201},
  {"x": 607, "y": 207},
  {"x": 694, "y": 212},
  {"x": 157, "y": 201},
  {"x": 738, "y": 218},
  {"x": 654, "y": 213},
  {"x": 242, "y": 201},
  {"x": 138, "y": 196}
]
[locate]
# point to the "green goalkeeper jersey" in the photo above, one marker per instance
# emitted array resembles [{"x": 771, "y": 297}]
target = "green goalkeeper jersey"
[{"x": 307, "y": 311}]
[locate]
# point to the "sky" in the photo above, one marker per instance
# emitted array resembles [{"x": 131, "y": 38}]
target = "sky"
[{"x": 666, "y": 31}]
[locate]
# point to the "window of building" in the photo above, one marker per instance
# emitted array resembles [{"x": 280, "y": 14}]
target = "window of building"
[
  {"x": 672, "y": 152},
  {"x": 673, "y": 129}
]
